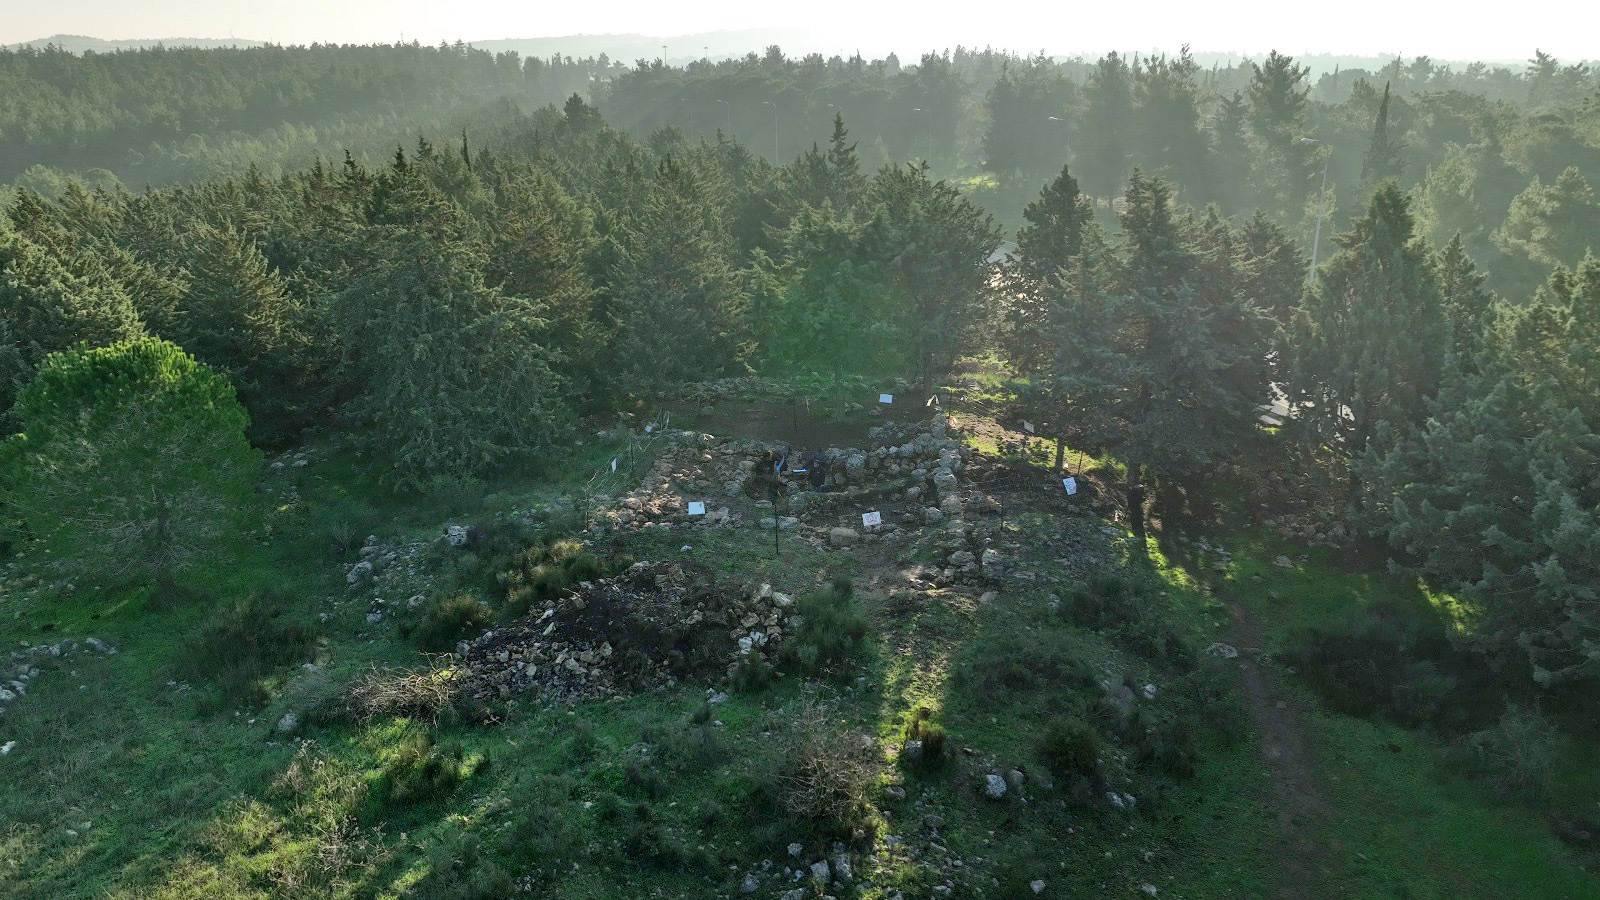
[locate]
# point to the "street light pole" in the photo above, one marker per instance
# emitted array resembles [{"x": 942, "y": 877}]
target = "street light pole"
[
  {"x": 1322, "y": 199},
  {"x": 774, "y": 130},
  {"x": 1065, "y": 146},
  {"x": 929, "y": 114}
]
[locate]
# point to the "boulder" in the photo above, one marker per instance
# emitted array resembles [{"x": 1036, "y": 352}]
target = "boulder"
[
  {"x": 457, "y": 535},
  {"x": 994, "y": 787},
  {"x": 950, "y": 506},
  {"x": 358, "y": 574},
  {"x": 843, "y": 537},
  {"x": 288, "y": 723},
  {"x": 944, "y": 481},
  {"x": 962, "y": 558},
  {"x": 932, "y": 516}
]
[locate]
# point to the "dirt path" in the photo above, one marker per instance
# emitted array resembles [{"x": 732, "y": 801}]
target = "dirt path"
[{"x": 1303, "y": 854}]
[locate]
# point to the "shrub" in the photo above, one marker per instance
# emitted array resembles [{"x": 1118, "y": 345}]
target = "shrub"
[
  {"x": 832, "y": 632},
  {"x": 457, "y": 870},
  {"x": 419, "y": 771},
  {"x": 1165, "y": 740},
  {"x": 417, "y": 693},
  {"x": 447, "y": 620},
  {"x": 932, "y": 737},
  {"x": 1106, "y": 600},
  {"x": 1013, "y": 663},
  {"x": 1394, "y": 662},
  {"x": 243, "y": 645},
  {"x": 753, "y": 674},
  {"x": 547, "y": 833},
  {"x": 1515, "y": 754},
  {"x": 542, "y": 572},
  {"x": 641, "y": 777},
  {"x": 1070, "y": 747},
  {"x": 822, "y": 780}
]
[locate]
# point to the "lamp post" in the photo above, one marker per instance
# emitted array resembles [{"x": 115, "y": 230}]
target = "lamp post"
[
  {"x": 1322, "y": 199},
  {"x": 1063, "y": 123},
  {"x": 929, "y": 114},
  {"x": 774, "y": 130}
]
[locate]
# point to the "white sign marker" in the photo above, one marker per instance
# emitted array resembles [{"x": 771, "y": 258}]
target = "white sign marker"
[
  {"x": 870, "y": 519},
  {"x": 1027, "y": 426},
  {"x": 1071, "y": 484},
  {"x": 697, "y": 508},
  {"x": 886, "y": 399},
  {"x": 613, "y": 465}
]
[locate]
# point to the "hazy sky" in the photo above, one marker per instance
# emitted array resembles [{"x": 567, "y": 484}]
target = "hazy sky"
[{"x": 1471, "y": 29}]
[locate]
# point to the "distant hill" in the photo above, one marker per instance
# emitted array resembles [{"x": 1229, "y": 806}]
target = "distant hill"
[
  {"x": 78, "y": 43},
  {"x": 630, "y": 48}
]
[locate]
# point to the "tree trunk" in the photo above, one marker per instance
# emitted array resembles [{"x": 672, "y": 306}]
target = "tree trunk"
[
  {"x": 1136, "y": 502},
  {"x": 1061, "y": 449}
]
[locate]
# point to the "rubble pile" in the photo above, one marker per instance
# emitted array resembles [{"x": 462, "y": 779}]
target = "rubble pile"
[{"x": 653, "y": 625}]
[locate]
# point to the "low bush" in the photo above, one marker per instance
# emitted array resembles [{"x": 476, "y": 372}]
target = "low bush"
[
  {"x": 1070, "y": 746},
  {"x": 541, "y": 572},
  {"x": 547, "y": 834},
  {"x": 929, "y": 736},
  {"x": 1167, "y": 740},
  {"x": 832, "y": 633},
  {"x": 752, "y": 675},
  {"x": 818, "y": 781},
  {"x": 423, "y": 694},
  {"x": 1012, "y": 663},
  {"x": 1516, "y": 754},
  {"x": 458, "y": 870},
  {"x": 419, "y": 771},
  {"x": 446, "y": 620},
  {"x": 1395, "y": 662},
  {"x": 1106, "y": 600},
  {"x": 243, "y": 645}
]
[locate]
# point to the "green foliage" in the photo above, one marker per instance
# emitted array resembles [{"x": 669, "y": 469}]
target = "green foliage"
[
  {"x": 244, "y": 644},
  {"x": 832, "y": 636},
  {"x": 447, "y": 619},
  {"x": 132, "y": 465},
  {"x": 1368, "y": 344},
  {"x": 1516, "y": 754},
  {"x": 455, "y": 377},
  {"x": 922, "y": 729},
  {"x": 458, "y": 870},
  {"x": 1070, "y": 746},
  {"x": 419, "y": 771}
]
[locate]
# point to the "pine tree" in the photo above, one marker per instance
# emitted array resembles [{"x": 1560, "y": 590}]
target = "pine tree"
[
  {"x": 1165, "y": 364},
  {"x": 1277, "y": 119},
  {"x": 1382, "y": 160},
  {"x": 676, "y": 294},
  {"x": 1549, "y": 226},
  {"x": 1272, "y": 269},
  {"x": 1103, "y": 149},
  {"x": 1057, "y": 225},
  {"x": 1467, "y": 302},
  {"x": 1368, "y": 344}
]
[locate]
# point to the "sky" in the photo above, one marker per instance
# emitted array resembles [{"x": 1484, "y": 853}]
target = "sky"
[{"x": 1461, "y": 30}]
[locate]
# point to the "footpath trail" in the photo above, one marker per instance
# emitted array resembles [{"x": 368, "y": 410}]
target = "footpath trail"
[{"x": 1303, "y": 854}]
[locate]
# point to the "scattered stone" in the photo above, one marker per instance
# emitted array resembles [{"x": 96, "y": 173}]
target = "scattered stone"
[
  {"x": 750, "y": 885},
  {"x": 820, "y": 871},
  {"x": 7, "y": 747},
  {"x": 100, "y": 645},
  {"x": 895, "y": 792},
  {"x": 1149, "y": 692},
  {"x": 796, "y": 849},
  {"x": 457, "y": 535},
  {"x": 962, "y": 558},
  {"x": 1283, "y": 562},
  {"x": 843, "y": 537},
  {"x": 1149, "y": 889},
  {"x": 288, "y": 723},
  {"x": 841, "y": 867},
  {"x": 359, "y": 574},
  {"x": 994, "y": 787},
  {"x": 1036, "y": 885},
  {"x": 1225, "y": 651},
  {"x": 1016, "y": 779},
  {"x": 932, "y": 516}
]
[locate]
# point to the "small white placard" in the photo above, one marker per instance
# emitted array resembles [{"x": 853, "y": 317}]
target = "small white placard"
[
  {"x": 1071, "y": 484},
  {"x": 1027, "y": 426},
  {"x": 613, "y": 465},
  {"x": 870, "y": 519},
  {"x": 649, "y": 428},
  {"x": 886, "y": 399},
  {"x": 932, "y": 401},
  {"x": 697, "y": 508}
]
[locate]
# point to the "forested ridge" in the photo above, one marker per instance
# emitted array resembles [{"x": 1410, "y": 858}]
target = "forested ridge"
[{"x": 1123, "y": 247}]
